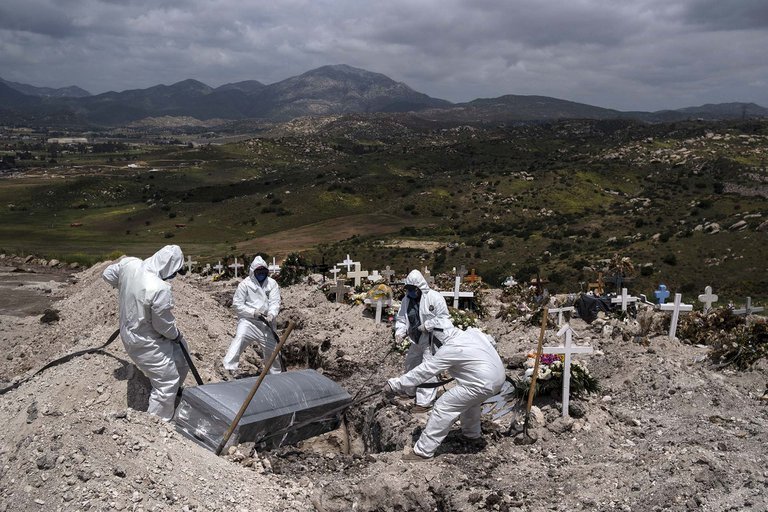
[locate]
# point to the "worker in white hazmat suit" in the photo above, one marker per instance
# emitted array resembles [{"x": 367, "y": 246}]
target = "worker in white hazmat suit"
[
  {"x": 147, "y": 325},
  {"x": 257, "y": 303},
  {"x": 470, "y": 357},
  {"x": 421, "y": 309}
]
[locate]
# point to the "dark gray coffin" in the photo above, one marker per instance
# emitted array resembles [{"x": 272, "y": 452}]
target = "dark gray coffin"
[{"x": 303, "y": 399}]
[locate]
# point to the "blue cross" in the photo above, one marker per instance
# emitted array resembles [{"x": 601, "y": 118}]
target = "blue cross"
[{"x": 662, "y": 293}]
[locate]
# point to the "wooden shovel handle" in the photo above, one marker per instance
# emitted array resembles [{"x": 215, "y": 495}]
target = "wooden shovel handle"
[
  {"x": 532, "y": 389},
  {"x": 255, "y": 387}
]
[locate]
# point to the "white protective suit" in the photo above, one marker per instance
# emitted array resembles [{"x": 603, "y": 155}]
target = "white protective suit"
[
  {"x": 470, "y": 357},
  {"x": 252, "y": 300},
  {"x": 147, "y": 325},
  {"x": 432, "y": 310}
]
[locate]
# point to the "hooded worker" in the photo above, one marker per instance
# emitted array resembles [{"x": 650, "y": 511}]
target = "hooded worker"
[
  {"x": 470, "y": 357},
  {"x": 147, "y": 325},
  {"x": 421, "y": 310},
  {"x": 257, "y": 303}
]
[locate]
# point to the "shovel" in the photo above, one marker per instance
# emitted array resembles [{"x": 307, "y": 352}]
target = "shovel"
[{"x": 269, "y": 326}]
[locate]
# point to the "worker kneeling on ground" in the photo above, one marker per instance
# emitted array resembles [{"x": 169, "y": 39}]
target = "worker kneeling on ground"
[
  {"x": 147, "y": 325},
  {"x": 257, "y": 302},
  {"x": 471, "y": 359}
]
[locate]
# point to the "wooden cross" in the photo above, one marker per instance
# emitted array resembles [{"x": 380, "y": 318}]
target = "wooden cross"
[
  {"x": 375, "y": 276},
  {"x": 598, "y": 286},
  {"x": 428, "y": 277},
  {"x": 707, "y": 298},
  {"x": 472, "y": 277},
  {"x": 747, "y": 309},
  {"x": 560, "y": 312},
  {"x": 274, "y": 267},
  {"x": 676, "y": 308},
  {"x": 218, "y": 267},
  {"x": 623, "y": 299},
  {"x": 335, "y": 270},
  {"x": 568, "y": 349},
  {"x": 456, "y": 293},
  {"x": 341, "y": 290},
  {"x": 347, "y": 262},
  {"x": 190, "y": 263},
  {"x": 662, "y": 293},
  {"x": 235, "y": 266},
  {"x": 388, "y": 273},
  {"x": 380, "y": 303},
  {"x": 357, "y": 274}
]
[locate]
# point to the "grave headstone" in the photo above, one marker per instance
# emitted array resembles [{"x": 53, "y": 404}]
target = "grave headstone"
[
  {"x": 748, "y": 309},
  {"x": 357, "y": 274},
  {"x": 567, "y": 350},
  {"x": 676, "y": 308},
  {"x": 273, "y": 267},
  {"x": 346, "y": 263},
  {"x": 428, "y": 277},
  {"x": 235, "y": 266},
  {"x": 341, "y": 290},
  {"x": 472, "y": 277},
  {"x": 560, "y": 311},
  {"x": 662, "y": 293},
  {"x": 388, "y": 273},
  {"x": 189, "y": 264},
  {"x": 708, "y": 298},
  {"x": 457, "y": 293},
  {"x": 624, "y": 299}
]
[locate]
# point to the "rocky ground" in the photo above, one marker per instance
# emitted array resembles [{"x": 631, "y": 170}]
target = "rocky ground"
[{"x": 668, "y": 431}]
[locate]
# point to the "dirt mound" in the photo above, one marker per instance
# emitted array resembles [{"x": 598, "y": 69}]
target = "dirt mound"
[{"x": 667, "y": 432}]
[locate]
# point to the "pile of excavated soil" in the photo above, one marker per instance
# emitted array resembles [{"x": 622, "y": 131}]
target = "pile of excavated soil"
[{"x": 668, "y": 431}]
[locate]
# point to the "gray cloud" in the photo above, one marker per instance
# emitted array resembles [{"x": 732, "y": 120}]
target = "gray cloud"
[{"x": 639, "y": 55}]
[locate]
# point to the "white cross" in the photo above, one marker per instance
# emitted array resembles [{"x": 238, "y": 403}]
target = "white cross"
[
  {"x": 388, "y": 273},
  {"x": 274, "y": 267},
  {"x": 218, "y": 267},
  {"x": 568, "y": 349},
  {"x": 380, "y": 303},
  {"x": 560, "y": 312},
  {"x": 676, "y": 308},
  {"x": 428, "y": 277},
  {"x": 707, "y": 298},
  {"x": 748, "y": 309},
  {"x": 623, "y": 299},
  {"x": 347, "y": 262},
  {"x": 335, "y": 270},
  {"x": 375, "y": 276},
  {"x": 357, "y": 274},
  {"x": 190, "y": 263},
  {"x": 235, "y": 266},
  {"x": 456, "y": 293},
  {"x": 341, "y": 289}
]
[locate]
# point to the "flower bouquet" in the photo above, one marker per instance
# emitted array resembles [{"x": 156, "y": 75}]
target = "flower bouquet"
[
  {"x": 550, "y": 377},
  {"x": 462, "y": 319}
]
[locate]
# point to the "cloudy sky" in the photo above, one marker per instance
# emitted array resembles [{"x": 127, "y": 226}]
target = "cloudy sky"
[{"x": 624, "y": 54}]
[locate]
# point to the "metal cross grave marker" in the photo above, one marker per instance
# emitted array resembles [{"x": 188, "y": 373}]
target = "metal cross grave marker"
[{"x": 748, "y": 309}]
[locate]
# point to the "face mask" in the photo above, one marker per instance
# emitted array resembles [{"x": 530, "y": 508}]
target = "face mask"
[
  {"x": 260, "y": 277},
  {"x": 413, "y": 293}
]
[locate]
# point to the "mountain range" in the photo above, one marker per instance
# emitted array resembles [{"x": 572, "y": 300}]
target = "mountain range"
[{"x": 328, "y": 90}]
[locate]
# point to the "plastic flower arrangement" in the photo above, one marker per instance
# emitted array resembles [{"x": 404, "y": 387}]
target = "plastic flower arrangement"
[{"x": 550, "y": 378}]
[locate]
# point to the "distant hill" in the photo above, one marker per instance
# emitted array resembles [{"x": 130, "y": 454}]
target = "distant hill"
[
  {"x": 328, "y": 90},
  {"x": 46, "y": 92}
]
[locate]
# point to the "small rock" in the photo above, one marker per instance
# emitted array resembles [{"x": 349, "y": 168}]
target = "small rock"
[
  {"x": 118, "y": 471},
  {"x": 49, "y": 316},
  {"x": 577, "y": 409}
]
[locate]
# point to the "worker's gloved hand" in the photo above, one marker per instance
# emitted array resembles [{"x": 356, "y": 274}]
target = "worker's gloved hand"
[
  {"x": 387, "y": 390},
  {"x": 399, "y": 338},
  {"x": 423, "y": 328},
  {"x": 178, "y": 338},
  {"x": 269, "y": 318}
]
